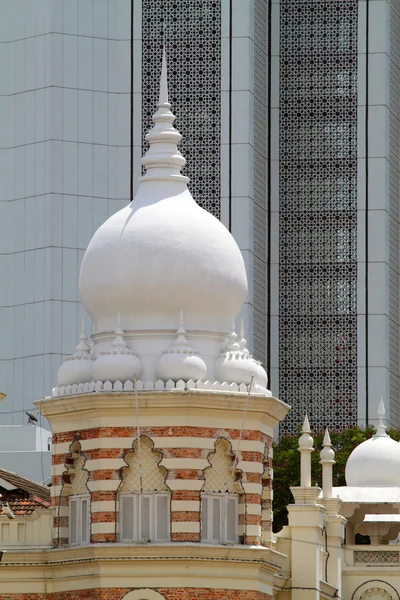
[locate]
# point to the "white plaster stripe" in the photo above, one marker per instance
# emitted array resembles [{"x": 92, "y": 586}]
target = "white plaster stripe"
[
  {"x": 253, "y": 530},
  {"x": 61, "y": 532},
  {"x": 126, "y": 443},
  {"x": 191, "y": 485},
  {"x": 102, "y": 506},
  {"x": 95, "y": 465},
  {"x": 252, "y": 488},
  {"x": 267, "y": 494},
  {"x": 266, "y": 515},
  {"x": 185, "y": 463},
  {"x": 104, "y": 485},
  {"x": 103, "y": 528},
  {"x": 185, "y": 527},
  {"x": 56, "y": 490},
  {"x": 250, "y": 467},
  {"x": 185, "y": 505},
  {"x": 250, "y": 509}
]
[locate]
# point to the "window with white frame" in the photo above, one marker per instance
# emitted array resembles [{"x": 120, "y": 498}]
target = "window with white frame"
[
  {"x": 144, "y": 517},
  {"x": 219, "y": 518},
  {"x": 79, "y": 519}
]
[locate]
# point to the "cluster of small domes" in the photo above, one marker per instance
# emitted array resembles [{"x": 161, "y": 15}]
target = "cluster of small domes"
[{"x": 117, "y": 362}]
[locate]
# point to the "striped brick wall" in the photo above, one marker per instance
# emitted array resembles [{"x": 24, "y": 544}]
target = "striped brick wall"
[
  {"x": 185, "y": 452},
  {"x": 168, "y": 593}
]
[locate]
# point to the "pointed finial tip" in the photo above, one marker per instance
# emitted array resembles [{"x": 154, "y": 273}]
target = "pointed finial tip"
[
  {"x": 163, "y": 98},
  {"x": 306, "y": 425},
  {"x": 327, "y": 438},
  {"x": 381, "y": 408},
  {"x": 241, "y": 328},
  {"x": 83, "y": 325}
]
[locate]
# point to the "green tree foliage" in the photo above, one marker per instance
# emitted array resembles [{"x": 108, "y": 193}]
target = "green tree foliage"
[{"x": 286, "y": 464}]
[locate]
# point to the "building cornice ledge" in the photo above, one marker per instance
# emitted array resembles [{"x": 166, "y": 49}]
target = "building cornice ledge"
[
  {"x": 267, "y": 558},
  {"x": 114, "y": 403}
]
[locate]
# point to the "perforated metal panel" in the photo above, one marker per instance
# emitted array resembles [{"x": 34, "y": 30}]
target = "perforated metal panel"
[
  {"x": 260, "y": 180},
  {"x": 192, "y": 33},
  {"x": 394, "y": 183},
  {"x": 318, "y": 212}
]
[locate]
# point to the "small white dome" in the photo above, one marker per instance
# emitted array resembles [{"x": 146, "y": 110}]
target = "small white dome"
[
  {"x": 180, "y": 361},
  {"x": 236, "y": 365},
  {"x": 375, "y": 462},
  {"x": 118, "y": 363},
  {"x": 77, "y": 368}
]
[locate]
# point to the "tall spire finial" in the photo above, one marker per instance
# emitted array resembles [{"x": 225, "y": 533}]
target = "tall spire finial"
[
  {"x": 381, "y": 427},
  {"x": 163, "y": 161},
  {"x": 163, "y": 97},
  {"x": 327, "y": 461},
  {"x": 306, "y": 446}
]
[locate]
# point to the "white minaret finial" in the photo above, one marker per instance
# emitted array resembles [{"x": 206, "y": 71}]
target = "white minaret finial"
[
  {"x": 381, "y": 427},
  {"x": 306, "y": 446},
  {"x": 327, "y": 461},
  {"x": 181, "y": 337},
  {"x": 163, "y": 161},
  {"x": 83, "y": 345},
  {"x": 232, "y": 344},
  {"x": 163, "y": 97},
  {"x": 242, "y": 339},
  {"x": 83, "y": 326},
  {"x": 119, "y": 334}
]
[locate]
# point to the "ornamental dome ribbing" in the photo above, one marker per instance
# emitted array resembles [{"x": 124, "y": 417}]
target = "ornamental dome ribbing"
[
  {"x": 163, "y": 252},
  {"x": 375, "y": 462},
  {"x": 77, "y": 368}
]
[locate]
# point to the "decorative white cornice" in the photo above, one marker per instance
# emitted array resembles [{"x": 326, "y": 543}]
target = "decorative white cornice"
[{"x": 108, "y": 402}]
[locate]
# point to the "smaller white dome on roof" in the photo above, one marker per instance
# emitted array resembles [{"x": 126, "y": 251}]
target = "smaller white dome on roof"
[
  {"x": 236, "y": 365},
  {"x": 119, "y": 363},
  {"x": 181, "y": 361},
  {"x": 77, "y": 368},
  {"x": 375, "y": 462}
]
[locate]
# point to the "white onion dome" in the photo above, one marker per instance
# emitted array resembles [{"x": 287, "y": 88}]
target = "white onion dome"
[
  {"x": 163, "y": 252},
  {"x": 77, "y": 368},
  {"x": 118, "y": 362},
  {"x": 181, "y": 361},
  {"x": 236, "y": 365},
  {"x": 375, "y": 462}
]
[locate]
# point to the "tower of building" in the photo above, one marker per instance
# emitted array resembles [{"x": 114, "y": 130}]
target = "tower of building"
[
  {"x": 295, "y": 151},
  {"x": 163, "y": 428}
]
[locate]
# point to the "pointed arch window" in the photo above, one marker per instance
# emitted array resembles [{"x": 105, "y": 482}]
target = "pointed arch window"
[
  {"x": 76, "y": 479},
  {"x": 219, "y": 498},
  {"x": 144, "y": 497}
]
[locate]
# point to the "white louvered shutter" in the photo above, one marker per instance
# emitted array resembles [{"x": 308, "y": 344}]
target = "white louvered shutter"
[
  {"x": 204, "y": 518},
  {"x": 231, "y": 519},
  {"x": 84, "y": 506},
  {"x": 161, "y": 514},
  {"x": 145, "y": 518},
  {"x": 127, "y": 517},
  {"x": 216, "y": 519},
  {"x": 73, "y": 521}
]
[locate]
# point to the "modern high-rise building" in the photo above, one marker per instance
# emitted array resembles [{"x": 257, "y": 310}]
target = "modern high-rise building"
[{"x": 290, "y": 116}]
